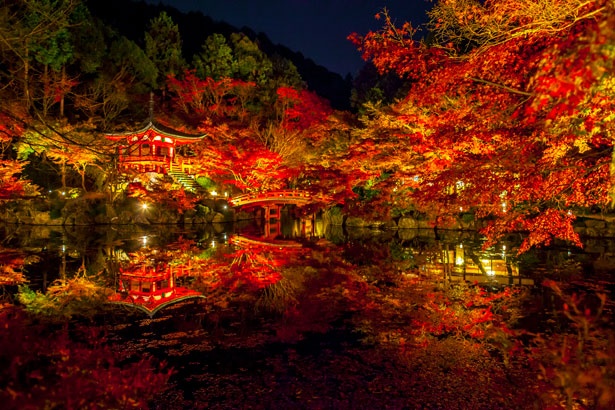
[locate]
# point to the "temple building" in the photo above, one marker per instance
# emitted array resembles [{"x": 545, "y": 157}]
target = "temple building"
[{"x": 153, "y": 149}]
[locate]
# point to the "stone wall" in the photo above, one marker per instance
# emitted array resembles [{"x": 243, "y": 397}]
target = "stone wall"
[
  {"x": 80, "y": 211},
  {"x": 85, "y": 211}
]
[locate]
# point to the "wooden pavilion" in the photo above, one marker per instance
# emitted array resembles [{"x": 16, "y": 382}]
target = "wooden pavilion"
[{"x": 153, "y": 148}]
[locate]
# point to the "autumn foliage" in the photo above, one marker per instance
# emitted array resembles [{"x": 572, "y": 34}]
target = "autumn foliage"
[
  {"x": 60, "y": 368},
  {"x": 515, "y": 128}
]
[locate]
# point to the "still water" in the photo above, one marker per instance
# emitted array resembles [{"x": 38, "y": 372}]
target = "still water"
[
  {"x": 58, "y": 252},
  {"x": 296, "y": 314}
]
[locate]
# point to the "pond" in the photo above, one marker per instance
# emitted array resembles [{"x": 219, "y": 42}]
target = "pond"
[{"x": 296, "y": 314}]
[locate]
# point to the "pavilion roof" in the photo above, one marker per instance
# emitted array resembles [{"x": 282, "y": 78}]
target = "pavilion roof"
[
  {"x": 151, "y": 305},
  {"x": 151, "y": 131}
]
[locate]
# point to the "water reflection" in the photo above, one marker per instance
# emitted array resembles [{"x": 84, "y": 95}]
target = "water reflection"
[
  {"x": 151, "y": 288},
  {"x": 150, "y": 267},
  {"x": 464, "y": 263},
  {"x": 308, "y": 309}
]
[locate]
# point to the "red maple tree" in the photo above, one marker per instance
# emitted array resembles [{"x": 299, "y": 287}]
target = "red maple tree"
[
  {"x": 514, "y": 128},
  {"x": 11, "y": 127}
]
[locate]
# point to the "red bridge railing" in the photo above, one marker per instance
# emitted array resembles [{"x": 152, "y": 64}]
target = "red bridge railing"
[{"x": 280, "y": 197}]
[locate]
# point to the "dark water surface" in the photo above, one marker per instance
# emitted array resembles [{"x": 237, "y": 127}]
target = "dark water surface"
[{"x": 290, "y": 315}]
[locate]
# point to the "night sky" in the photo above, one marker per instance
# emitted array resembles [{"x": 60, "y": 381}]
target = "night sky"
[{"x": 316, "y": 28}]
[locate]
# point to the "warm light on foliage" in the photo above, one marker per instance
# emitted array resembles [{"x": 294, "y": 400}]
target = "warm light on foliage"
[{"x": 526, "y": 119}]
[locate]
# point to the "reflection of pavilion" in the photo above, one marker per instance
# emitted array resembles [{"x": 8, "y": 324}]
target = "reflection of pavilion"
[
  {"x": 461, "y": 264},
  {"x": 150, "y": 288}
]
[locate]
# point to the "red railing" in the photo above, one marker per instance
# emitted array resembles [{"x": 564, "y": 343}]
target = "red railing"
[{"x": 281, "y": 197}]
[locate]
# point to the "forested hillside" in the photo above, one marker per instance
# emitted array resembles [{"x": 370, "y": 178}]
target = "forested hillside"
[{"x": 194, "y": 28}]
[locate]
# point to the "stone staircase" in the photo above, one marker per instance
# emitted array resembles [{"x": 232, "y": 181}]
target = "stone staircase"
[{"x": 185, "y": 180}]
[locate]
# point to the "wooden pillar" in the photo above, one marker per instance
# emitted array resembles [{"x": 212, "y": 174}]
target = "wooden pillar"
[
  {"x": 272, "y": 229},
  {"x": 273, "y": 212}
]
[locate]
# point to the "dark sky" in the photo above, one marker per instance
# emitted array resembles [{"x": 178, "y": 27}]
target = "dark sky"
[{"x": 316, "y": 28}]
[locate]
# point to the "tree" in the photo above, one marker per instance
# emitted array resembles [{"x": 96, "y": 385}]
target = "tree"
[
  {"x": 66, "y": 146},
  {"x": 518, "y": 129},
  {"x": 471, "y": 23},
  {"x": 163, "y": 46},
  {"x": 126, "y": 73},
  {"x": 11, "y": 184},
  {"x": 210, "y": 100},
  {"x": 236, "y": 158},
  {"x": 250, "y": 63},
  {"x": 36, "y": 32},
  {"x": 299, "y": 123},
  {"x": 215, "y": 59},
  {"x": 285, "y": 73}
]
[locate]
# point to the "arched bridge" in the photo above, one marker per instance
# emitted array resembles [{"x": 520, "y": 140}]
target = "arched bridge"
[{"x": 290, "y": 196}]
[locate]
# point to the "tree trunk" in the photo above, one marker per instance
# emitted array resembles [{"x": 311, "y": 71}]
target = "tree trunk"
[
  {"x": 26, "y": 74},
  {"x": 63, "y": 82},
  {"x": 45, "y": 90},
  {"x": 63, "y": 174},
  {"x": 612, "y": 175},
  {"x": 82, "y": 173}
]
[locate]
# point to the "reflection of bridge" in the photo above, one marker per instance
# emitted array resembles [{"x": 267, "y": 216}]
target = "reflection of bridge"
[{"x": 245, "y": 242}]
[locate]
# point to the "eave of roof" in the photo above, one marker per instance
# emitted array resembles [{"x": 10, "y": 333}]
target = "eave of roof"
[{"x": 158, "y": 130}]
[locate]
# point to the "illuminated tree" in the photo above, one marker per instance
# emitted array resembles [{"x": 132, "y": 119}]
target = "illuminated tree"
[
  {"x": 11, "y": 127},
  {"x": 519, "y": 128},
  {"x": 242, "y": 161},
  {"x": 67, "y": 146},
  {"x": 209, "y": 100},
  {"x": 299, "y": 124},
  {"x": 472, "y": 23}
]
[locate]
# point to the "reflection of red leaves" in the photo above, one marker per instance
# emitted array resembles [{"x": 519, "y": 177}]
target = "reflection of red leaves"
[
  {"x": 469, "y": 316},
  {"x": 49, "y": 369},
  {"x": 11, "y": 263}
]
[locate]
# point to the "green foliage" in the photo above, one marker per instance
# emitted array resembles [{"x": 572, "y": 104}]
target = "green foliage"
[
  {"x": 215, "y": 60},
  {"x": 401, "y": 253},
  {"x": 206, "y": 183},
  {"x": 208, "y": 253},
  {"x": 202, "y": 210},
  {"x": 163, "y": 46},
  {"x": 468, "y": 217},
  {"x": 55, "y": 52},
  {"x": 367, "y": 192},
  {"x": 132, "y": 64},
  {"x": 89, "y": 44},
  {"x": 57, "y": 205},
  {"x": 285, "y": 74},
  {"x": 335, "y": 211},
  {"x": 65, "y": 299},
  {"x": 250, "y": 64}
]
